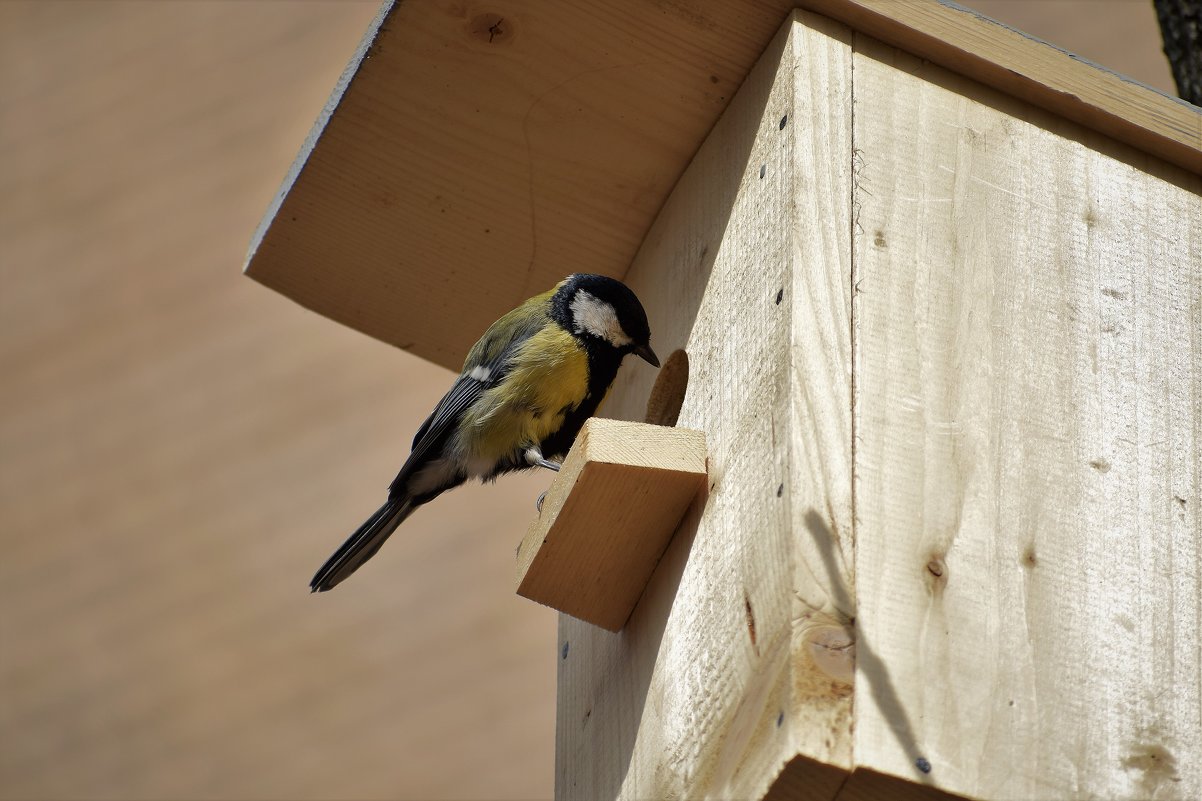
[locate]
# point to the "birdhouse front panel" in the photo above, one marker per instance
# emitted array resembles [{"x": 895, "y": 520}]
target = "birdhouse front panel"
[{"x": 736, "y": 660}]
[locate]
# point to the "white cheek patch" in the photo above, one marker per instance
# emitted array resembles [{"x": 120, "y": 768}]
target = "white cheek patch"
[
  {"x": 594, "y": 316},
  {"x": 480, "y": 373}
]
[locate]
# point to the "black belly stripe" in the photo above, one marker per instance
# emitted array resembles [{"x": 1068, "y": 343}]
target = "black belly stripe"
[{"x": 603, "y": 366}]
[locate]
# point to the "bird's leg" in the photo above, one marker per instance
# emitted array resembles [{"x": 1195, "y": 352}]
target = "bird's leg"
[{"x": 534, "y": 457}]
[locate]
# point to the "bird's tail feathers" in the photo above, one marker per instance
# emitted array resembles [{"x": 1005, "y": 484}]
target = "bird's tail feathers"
[{"x": 363, "y": 544}]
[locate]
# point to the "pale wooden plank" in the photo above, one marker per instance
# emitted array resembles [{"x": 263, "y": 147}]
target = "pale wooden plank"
[
  {"x": 1028, "y": 417},
  {"x": 818, "y": 486},
  {"x": 711, "y": 688},
  {"x": 608, "y": 517},
  {"x": 465, "y": 169}
]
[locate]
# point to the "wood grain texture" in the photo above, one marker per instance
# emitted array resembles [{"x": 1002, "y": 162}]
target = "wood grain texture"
[
  {"x": 712, "y": 687},
  {"x": 1028, "y": 421},
  {"x": 608, "y": 517},
  {"x": 509, "y": 145}
]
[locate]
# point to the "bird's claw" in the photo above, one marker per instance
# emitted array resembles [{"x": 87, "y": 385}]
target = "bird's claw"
[{"x": 534, "y": 458}]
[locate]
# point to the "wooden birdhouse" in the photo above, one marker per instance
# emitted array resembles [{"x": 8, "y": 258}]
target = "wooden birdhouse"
[{"x": 932, "y": 523}]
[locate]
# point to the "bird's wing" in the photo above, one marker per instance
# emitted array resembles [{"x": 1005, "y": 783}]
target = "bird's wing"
[
  {"x": 487, "y": 365},
  {"x": 434, "y": 432}
]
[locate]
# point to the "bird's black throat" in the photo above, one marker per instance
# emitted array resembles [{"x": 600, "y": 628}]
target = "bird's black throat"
[{"x": 603, "y": 363}]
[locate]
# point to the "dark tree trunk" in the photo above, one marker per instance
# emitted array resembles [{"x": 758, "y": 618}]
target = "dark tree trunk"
[{"x": 1181, "y": 27}]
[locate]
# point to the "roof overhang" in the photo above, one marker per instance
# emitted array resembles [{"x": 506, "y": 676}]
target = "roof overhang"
[{"x": 470, "y": 158}]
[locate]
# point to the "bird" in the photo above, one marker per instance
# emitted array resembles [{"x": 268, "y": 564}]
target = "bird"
[{"x": 526, "y": 388}]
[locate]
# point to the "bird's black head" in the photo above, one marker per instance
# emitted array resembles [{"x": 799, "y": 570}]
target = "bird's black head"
[{"x": 604, "y": 312}]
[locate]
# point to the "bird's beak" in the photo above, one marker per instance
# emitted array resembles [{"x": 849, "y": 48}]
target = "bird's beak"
[{"x": 645, "y": 353}]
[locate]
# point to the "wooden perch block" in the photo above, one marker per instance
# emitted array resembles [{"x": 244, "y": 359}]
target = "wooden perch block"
[{"x": 608, "y": 517}]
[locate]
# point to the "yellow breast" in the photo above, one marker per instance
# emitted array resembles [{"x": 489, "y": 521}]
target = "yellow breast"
[{"x": 549, "y": 378}]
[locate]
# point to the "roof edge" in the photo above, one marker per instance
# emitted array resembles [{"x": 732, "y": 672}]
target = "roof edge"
[
  {"x": 1032, "y": 70},
  {"x": 319, "y": 125}
]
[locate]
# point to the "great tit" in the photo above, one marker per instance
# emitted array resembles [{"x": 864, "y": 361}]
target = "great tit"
[{"x": 526, "y": 389}]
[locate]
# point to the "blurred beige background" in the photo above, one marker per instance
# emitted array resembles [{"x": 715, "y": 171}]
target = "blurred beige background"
[{"x": 181, "y": 448}]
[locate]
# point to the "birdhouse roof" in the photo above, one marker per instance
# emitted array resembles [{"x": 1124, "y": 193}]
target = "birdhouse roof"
[{"x": 471, "y": 156}]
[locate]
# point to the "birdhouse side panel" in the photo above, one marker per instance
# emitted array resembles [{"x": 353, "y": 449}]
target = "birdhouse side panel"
[{"x": 1028, "y": 333}]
